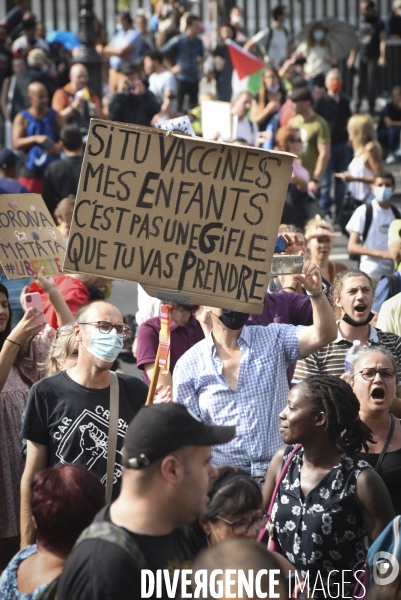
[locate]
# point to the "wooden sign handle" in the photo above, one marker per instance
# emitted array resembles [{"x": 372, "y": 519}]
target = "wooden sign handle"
[{"x": 154, "y": 380}]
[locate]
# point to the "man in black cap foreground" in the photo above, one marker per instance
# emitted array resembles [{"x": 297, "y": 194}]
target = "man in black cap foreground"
[
  {"x": 167, "y": 476},
  {"x": 8, "y": 169}
]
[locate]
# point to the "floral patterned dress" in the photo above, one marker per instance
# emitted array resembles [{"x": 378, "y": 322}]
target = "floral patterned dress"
[
  {"x": 325, "y": 531},
  {"x": 9, "y": 578},
  {"x": 13, "y": 399}
]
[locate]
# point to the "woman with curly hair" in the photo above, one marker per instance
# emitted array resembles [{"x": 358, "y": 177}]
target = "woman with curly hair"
[{"x": 329, "y": 499}]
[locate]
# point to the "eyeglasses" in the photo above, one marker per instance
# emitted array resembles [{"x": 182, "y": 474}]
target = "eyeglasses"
[
  {"x": 242, "y": 527},
  {"x": 296, "y": 140},
  {"x": 106, "y": 327},
  {"x": 369, "y": 374}
]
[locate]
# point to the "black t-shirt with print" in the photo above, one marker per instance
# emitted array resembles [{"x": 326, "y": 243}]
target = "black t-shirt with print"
[
  {"x": 370, "y": 29},
  {"x": 100, "y": 570},
  {"x": 73, "y": 421}
]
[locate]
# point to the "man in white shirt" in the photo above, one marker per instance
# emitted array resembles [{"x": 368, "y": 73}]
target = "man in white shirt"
[
  {"x": 371, "y": 243},
  {"x": 274, "y": 40},
  {"x": 29, "y": 40},
  {"x": 162, "y": 84}
]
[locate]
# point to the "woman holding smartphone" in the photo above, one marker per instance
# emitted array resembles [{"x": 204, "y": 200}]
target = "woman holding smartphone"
[{"x": 21, "y": 351}]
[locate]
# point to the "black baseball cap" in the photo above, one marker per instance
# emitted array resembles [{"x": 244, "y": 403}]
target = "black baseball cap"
[
  {"x": 8, "y": 158},
  {"x": 159, "y": 429}
]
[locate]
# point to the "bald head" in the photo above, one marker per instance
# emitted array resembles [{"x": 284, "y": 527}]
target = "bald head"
[
  {"x": 38, "y": 95},
  {"x": 79, "y": 76},
  {"x": 243, "y": 555}
]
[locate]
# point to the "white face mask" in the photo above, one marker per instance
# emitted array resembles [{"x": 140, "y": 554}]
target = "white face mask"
[{"x": 236, "y": 19}]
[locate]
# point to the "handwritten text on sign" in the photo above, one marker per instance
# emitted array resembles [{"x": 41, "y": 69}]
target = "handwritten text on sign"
[
  {"x": 29, "y": 238},
  {"x": 181, "y": 215}
]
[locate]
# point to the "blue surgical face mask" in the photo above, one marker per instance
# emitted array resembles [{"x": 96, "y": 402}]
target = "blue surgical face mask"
[
  {"x": 274, "y": 89},
  {"x": 119, "y": 27},
  {"x": 318, "y": 35},
  {"x": 383, "y": 194},
  {"x": 105, "y": 346}
]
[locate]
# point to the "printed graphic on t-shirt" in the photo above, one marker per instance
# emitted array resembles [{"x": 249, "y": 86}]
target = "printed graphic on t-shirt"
[{"x": 84, "y": 441}]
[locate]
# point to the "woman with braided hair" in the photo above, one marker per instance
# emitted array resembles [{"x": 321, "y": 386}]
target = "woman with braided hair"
[{"x": 329, "y": 499}]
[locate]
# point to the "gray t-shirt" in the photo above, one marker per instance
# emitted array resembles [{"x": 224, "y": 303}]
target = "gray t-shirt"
[{"x": 159, "y": 84}]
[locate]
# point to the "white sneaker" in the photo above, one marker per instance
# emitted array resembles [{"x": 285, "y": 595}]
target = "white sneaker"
[{"x": 390, "y": 159}]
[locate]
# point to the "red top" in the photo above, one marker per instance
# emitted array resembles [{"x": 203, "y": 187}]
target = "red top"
[{"x": 73, "y": 291}]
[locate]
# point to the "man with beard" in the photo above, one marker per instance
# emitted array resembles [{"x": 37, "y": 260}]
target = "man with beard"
[
  {"x": 166, "y": 478},
  {"x": 67, "y": 415},
  {"x": 351, "y": 296},
  {"x": 77, "y": 289},
  {"x": 237, "y": 375}
]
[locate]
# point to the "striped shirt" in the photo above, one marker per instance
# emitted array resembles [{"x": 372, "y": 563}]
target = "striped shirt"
[{"x": 331, "y": 358}]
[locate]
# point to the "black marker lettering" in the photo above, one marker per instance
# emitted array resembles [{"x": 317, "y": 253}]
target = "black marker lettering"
[
  {"x": 91, "y": 151},
  {"x": 253, "y": 248},
  {"x": 245, "y": 166},
  {"x": 90, "y": 171},
  {"x": 147, "y": 190},
  {"x": 77, "y": 207}
]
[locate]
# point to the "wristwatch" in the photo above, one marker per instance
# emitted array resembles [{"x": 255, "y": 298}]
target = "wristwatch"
[
  {"x": 316, "y": 180},
  {"x": 320, "y": 294}
]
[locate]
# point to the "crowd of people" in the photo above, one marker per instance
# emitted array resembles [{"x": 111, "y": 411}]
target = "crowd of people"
[{"x": 287, "y": 421}]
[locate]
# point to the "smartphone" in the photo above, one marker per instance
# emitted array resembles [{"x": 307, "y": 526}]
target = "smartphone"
[
  {"x": 34, "y": 300},
  {"x": 280, "y": 245},
  {"x": 287, "y": 264}
]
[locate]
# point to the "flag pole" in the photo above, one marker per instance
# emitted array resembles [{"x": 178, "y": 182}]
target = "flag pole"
[{"x": 154, "y": 380}]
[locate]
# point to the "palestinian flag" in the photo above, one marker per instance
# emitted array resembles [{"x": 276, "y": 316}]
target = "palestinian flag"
[{"x": 247, "y": 69}]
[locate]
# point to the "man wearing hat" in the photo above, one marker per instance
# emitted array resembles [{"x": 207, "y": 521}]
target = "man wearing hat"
[
  {"x": 164, "y": 487},
  {"x": 8, "y": 169},
  {"x": 29, "y": 40},
  {"x": 315, "y": 133}
]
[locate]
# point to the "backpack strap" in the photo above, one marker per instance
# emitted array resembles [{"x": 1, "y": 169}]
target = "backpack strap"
[
  {"x": 393, "y": 285},
  {"x": 396, "y": 212},
  {"x": 113, "y": 534},
  {"x": 113, "y": 434},
  {"x": 368, "y": 221},
  {"x": 269, "y": 40}
]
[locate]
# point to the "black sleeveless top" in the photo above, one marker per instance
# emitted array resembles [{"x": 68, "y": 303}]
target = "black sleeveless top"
[{"x": 390, "y": 472}]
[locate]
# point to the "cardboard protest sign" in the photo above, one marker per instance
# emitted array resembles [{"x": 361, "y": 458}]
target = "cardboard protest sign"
[
  {"x": 216, "y": 118},
  {"x": 29, "y": 238},
  {"x": 191, "y": 220},
  {"x": 182, "y": 124}
]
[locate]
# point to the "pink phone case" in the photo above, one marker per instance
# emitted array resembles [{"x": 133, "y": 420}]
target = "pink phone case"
[{"x": 34, "y": 300}]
